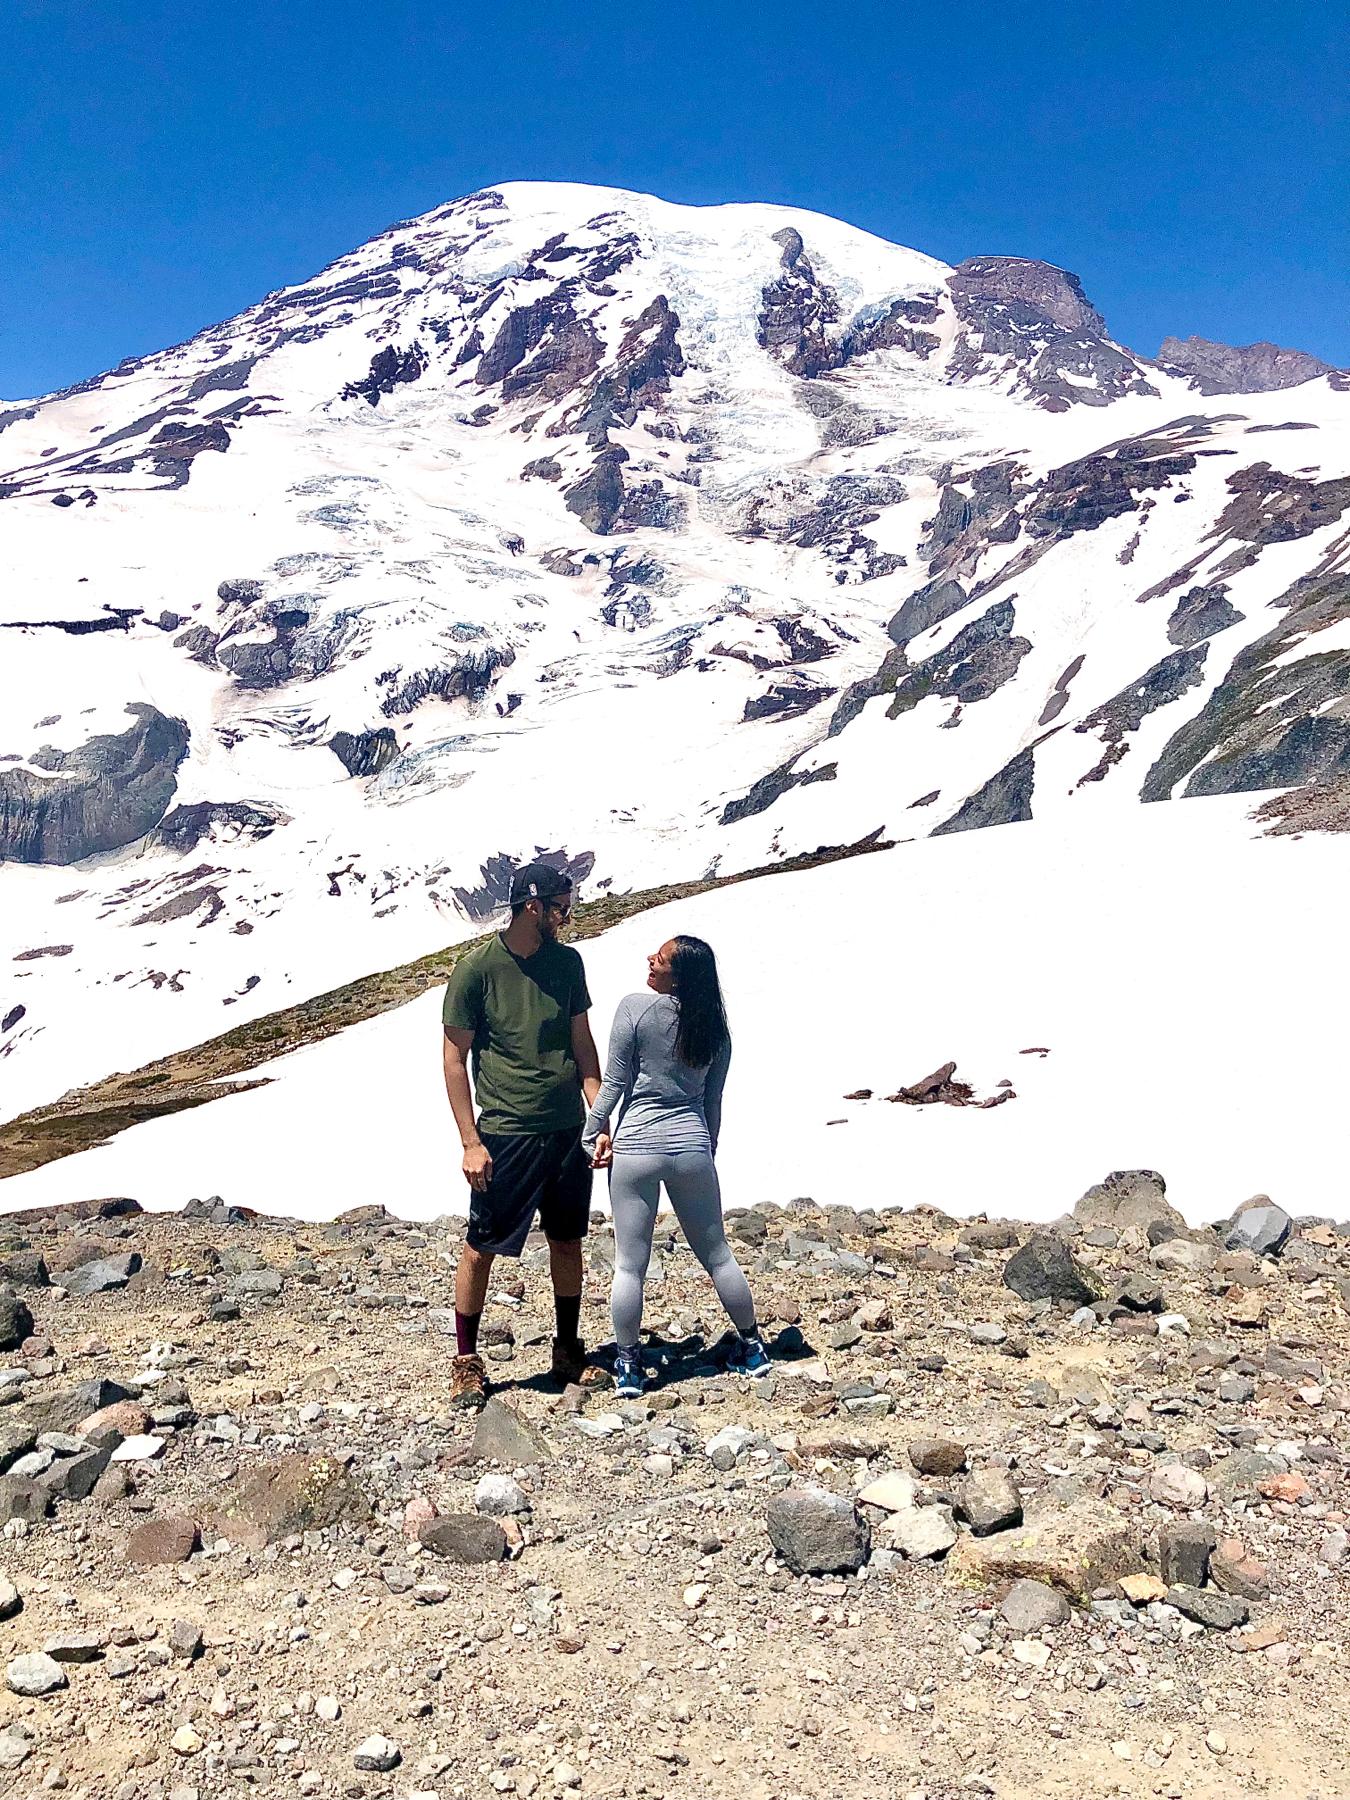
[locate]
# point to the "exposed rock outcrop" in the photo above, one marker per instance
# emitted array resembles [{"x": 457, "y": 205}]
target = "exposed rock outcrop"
[
  {"x": 103, "y": 796},
  {"x": 1277, "y": 719},
  {"x": 1213, "y": 368},
  {"x": 364, "y": 752},
  {"x": 389, "y": 368},
  {"x": 1005, "y": 799},
  {"x": 1033, "y": 321},
  {"x": 796, "y": 311},
  {"x": 1202, "y": 613},
  {"x": 185, "y": 826},
  {"x": 493, "y": 894}
]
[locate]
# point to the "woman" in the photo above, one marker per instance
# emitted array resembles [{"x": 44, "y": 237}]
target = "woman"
[{"x": 668, "y": 1055}]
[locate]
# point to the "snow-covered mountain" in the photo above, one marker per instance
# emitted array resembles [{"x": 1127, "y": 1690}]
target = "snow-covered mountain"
[{"x": 661, "y": 539}]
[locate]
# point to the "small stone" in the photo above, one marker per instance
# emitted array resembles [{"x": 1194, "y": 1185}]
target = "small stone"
[
  {"x": 16, "y": 1745},
  {"x": 127, "y": 1418},
  {"x": 1333, "y": 1550},
  {"x": 11, "y": 1601},
  {"x": 500, "y": 1496},
  {"x": 1175, "y": 1484},
  {"x": 1140, "y": 1589},
  {"x": 75, "y": 1646},
  {"x": 34, "y": 1675},
  {"x": 1184, "y": 1256},
  {"x": 893, "y": 1492},
  {"x": 186, "y": 1742},
  {"x": 989, "y": 1500},
  {"x": 73, "y": 1477},
  {"x": 141, "y": 1448},
  {"x": 377, "y": 1753},
  {"x": 418, "y": 1512},
  {"x": 265, "y": 1283},
  {"x": 1184, "y": 1550},
  {"x": 1216, "y": 1743},
  {"x": 185, "y": 1639},
  {"x": 1221, "y": 1612},
  {"x": 695, "y": 1594},
  {"x": 937, "y": 1456},
  {"x": 160, "y": 1541},
  {"x": 921, "y": 1533},
  {"x": 503, "y": 1434},
  {"x": 1031, "y": 1651},
  {"x": 464, "y": 1538},
  {"x": 1030, "y": 1606},
  {"x": 817, "y": 1533},
  {"x": 328, "y": 1708},
  {"x": 1233, "y": 1570},
  {"x": 1045, "y": 1269},
  {"x": 727, "y": 1445}
]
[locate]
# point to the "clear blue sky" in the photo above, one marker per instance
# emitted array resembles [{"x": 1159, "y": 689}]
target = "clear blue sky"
[{"x": 162, "y": 165}]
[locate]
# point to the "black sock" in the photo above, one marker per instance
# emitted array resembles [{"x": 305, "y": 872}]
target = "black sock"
[
  {"x": 568, "y": 1309},
  {"x": 466, "y": 1332}
]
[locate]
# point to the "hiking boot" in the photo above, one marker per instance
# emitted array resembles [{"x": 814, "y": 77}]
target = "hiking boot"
[
  {"x": 571, "y": 1365},
  {"x": 630, "y": 1378},
  {"x": 468, "y": 1383},
  {"x": 748, "y": 1356}
]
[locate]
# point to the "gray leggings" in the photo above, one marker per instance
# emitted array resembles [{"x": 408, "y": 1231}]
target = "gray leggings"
[{"x": 690, "y": 1178}]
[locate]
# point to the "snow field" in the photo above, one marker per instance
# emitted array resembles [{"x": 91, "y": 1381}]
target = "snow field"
[{"x": 1193, "y": 1015}]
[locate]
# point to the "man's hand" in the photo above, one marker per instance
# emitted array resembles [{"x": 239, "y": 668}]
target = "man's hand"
[
  {"x": 604, "y": 1151},
  {"x": 477, "y": 1167}
]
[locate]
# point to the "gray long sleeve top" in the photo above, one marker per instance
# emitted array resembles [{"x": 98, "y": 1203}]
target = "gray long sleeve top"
[{"x": 666, "y": 1105}]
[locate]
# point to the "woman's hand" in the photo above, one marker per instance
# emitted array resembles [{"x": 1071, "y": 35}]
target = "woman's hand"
[{"x": 604, "y": 1151}]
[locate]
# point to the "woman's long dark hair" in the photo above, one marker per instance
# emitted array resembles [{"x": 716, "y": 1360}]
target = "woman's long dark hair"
[{"x": 703, "y": 1018}]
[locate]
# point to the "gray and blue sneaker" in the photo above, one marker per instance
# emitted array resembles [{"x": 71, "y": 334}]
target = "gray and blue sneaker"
[
  {"x": 748, "y": 1355},
  {"x": 630, "y": 1378}
]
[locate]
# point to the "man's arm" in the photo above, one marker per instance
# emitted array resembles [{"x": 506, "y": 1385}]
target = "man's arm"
[
  {"x": 586, "y": 1056},
  {"x": 455, "y": 1060}
]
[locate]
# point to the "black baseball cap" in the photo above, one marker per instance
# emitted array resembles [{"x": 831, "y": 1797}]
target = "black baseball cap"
[{"x": 537, "y": 881}]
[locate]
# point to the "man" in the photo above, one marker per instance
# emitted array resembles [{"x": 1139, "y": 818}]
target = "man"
[{"x": 517, "y": 1003}]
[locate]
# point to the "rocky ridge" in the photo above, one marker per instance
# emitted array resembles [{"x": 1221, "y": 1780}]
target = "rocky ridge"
[{"x": 1053, "y": 1512}]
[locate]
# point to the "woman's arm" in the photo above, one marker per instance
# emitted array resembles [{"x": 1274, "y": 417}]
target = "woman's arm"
[
  {"x": 712, "y": 1092},
  {"x": 619, "y": 1069}
]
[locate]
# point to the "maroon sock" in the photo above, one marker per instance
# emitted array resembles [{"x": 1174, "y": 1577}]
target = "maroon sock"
[
  {"x": 568, "y": 1309},
  {"x": 466, "y": 1332}
]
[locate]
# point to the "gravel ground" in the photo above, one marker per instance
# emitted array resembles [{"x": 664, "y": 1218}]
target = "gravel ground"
[{"x": 643, "y": 1634}]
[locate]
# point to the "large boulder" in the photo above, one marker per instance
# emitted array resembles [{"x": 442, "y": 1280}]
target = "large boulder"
[
  {"x": 1074, "y": 1547},
  {"x": 1259, "y": 1226},
  {"x": 1045, "y": 1269},
  {"x": 102, "y": 1276},
  {"x": 817, "y": 1533},
  {"x": 1128, "y": 1198},
  {"x": 289, "y": 1495},
  {"x": 23, "y": 1268}
]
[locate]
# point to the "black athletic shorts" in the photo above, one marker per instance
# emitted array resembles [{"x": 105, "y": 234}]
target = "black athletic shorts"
[{"x": 548, "y": 1174}]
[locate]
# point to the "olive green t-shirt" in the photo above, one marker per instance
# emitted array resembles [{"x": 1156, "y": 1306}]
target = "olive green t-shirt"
[{"x": 520, "y": 1011}]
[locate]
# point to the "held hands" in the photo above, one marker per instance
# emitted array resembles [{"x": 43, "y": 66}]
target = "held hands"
[
  {"x": 477, "y": 1167},
  {"x": 604, "y": 1151}
]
